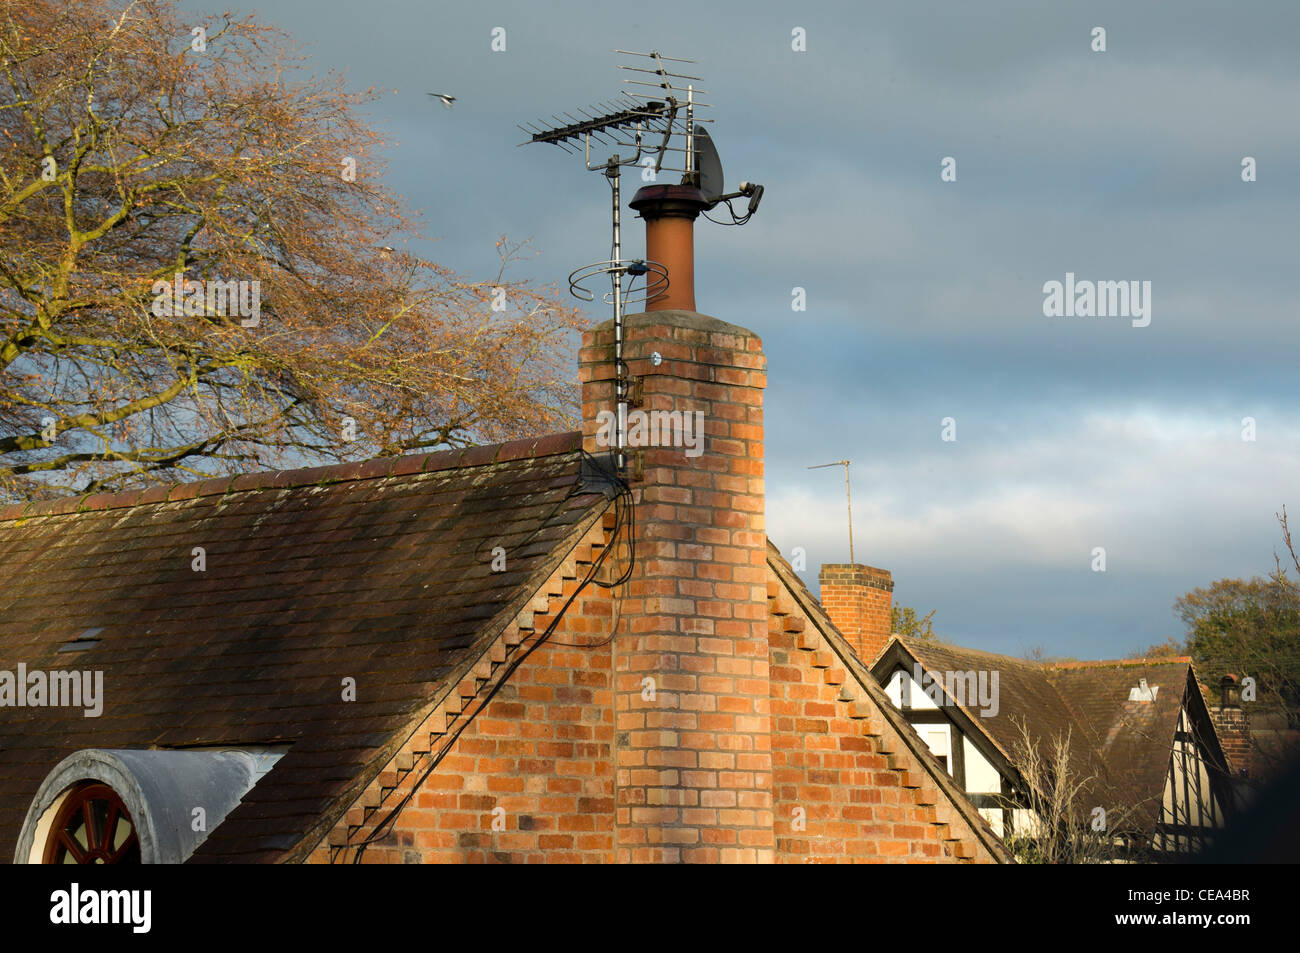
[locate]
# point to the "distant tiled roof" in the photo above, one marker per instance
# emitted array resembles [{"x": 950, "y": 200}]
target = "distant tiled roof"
[
  {"x": 1123, "y": 745},
  {"x": 1133, "y": 739},
  {"x": 379, "y": 572},
  {"x": 1024, "y": 692}
]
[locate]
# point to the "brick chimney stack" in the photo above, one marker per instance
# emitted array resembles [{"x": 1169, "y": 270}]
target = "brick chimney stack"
[
  {"x": 693, "y": 759},
  {"x": 693, "y": 751},
  {"x": 858, "y": 600},
  {"x": 1231, "y": 725}
]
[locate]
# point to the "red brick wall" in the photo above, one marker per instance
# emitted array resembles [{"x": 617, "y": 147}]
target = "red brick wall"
[
  {"x": 858, "y": 600},
  {"x": 586, "y": 763},
  {"x": 544, "y": 751},
  {"x": 541, "y": 750},
  {"x": 1231, "y": 726},
  {"x": 846, "y": 788},
  {"x": 694, "y": 764}
]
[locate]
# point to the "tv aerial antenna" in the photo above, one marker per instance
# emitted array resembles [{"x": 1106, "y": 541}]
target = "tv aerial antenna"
[
  {"x": 656, "y": 118},
  {"x": 848, "y": 498}
]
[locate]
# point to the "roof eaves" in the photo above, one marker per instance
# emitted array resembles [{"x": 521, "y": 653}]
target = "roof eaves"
[{"x": 971, "y": 722}]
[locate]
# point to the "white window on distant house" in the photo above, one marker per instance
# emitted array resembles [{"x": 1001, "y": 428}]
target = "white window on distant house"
[
  {"x": 981, "y": 776},
  {"x": 937, "y": 739},
  {"x": 905, "y": 692}
]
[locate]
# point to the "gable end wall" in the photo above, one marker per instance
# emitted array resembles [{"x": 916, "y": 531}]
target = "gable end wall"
[
  {"x": 846, "y": 788},
  {"x": 531, "y": 779}
]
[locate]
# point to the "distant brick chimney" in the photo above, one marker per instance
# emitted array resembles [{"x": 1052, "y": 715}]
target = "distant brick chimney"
[
  {"x": 858, "y": 600},
  {"x": 1232, "y": 726}
]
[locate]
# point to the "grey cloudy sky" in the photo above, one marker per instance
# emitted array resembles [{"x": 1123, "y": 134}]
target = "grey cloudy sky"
[{"x": 924, "y": 298}]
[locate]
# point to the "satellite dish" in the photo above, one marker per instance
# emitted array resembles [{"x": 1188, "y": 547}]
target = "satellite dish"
[{"x": 708, "y": 165}]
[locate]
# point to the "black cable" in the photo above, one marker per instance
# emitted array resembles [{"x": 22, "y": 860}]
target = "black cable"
[
  {"x": 625, "y": 498},
  {"x": 735, "y": 219}
]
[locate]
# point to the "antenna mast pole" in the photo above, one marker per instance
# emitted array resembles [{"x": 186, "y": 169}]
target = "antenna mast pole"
[
  {"x": 848, "y": 497},
  {"x": 651, "y": 108},
  {"x": 848, "y": 500},
  {"x": 614, "y": 173}
]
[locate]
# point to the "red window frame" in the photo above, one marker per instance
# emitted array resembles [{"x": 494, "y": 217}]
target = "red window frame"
[{"x": 96, "y": 810}]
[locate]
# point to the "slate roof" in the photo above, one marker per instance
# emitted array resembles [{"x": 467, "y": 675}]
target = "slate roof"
[
  {"x": 380, "y": 572},
  {"x": 1132, "y": 739},
  {"x": 1022, "y": 688},
  {"x": 1124, "y": 745}
]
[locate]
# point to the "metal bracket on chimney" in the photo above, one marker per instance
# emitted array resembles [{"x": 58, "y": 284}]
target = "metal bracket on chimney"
[{"x": 636, "y": 392}]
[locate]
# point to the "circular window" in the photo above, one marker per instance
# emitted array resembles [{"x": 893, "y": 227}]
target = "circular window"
[{"x": 92, "y": 826}]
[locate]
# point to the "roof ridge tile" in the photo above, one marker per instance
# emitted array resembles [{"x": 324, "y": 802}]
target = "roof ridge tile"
[
  {"x": 374, "y": 468},
  {"x": 1123, "y": 662}
]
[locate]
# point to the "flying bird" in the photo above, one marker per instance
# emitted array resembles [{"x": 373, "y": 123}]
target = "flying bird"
[{"x": 446, "y": 100}]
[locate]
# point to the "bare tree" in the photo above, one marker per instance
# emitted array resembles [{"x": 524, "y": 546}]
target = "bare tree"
[
  {"x": 1066, "y": 824},
  {"x": 200, "y": 272}
]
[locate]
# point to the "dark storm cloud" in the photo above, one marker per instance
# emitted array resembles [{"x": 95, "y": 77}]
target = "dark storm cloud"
[{"x": 925, "y": 298}]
